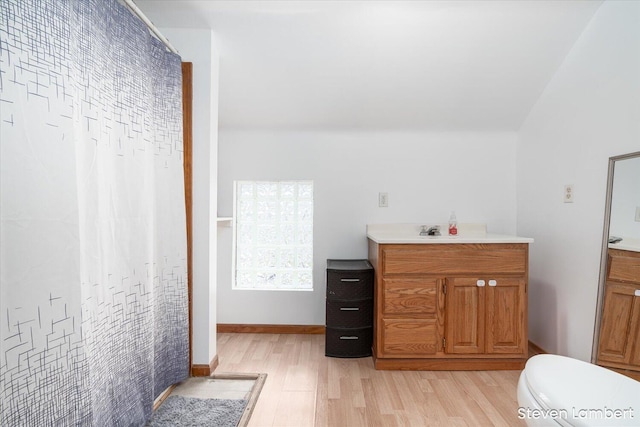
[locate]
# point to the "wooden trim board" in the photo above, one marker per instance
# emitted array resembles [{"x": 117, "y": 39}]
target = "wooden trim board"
[
  {"x": 270, "y": 329},
  {"x": 534, "y": 349},
  {"x": 163, "y": 396},
  {"x": 449, "y": 364},
  {"x": 187, "y": 147},
  {"x": 205, "y": 370}
]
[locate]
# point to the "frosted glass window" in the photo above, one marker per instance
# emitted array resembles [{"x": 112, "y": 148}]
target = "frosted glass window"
[{"x": 273, "y": 235}]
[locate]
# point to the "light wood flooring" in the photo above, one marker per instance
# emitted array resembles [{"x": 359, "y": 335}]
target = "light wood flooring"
[{"x": 305, "y": 388}]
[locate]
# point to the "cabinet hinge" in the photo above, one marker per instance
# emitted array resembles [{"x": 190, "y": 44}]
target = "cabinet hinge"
[
  {"x": 444, "y": 343},
  {"x": 444, "y": 288}
]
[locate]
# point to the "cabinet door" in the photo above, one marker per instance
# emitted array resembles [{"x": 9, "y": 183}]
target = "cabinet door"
[
  {"x": 505, "y": 309},
  {"x": 620, "y": 325},
  {"x": 465, "y": 315}
]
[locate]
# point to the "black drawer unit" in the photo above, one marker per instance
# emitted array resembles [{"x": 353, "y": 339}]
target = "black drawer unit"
[{"x": 349, "y": 308}]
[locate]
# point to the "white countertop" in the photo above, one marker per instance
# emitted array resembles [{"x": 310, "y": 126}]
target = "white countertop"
[
  {"x": 410, "y": 233},
  {"x": 627, "y": 244}
]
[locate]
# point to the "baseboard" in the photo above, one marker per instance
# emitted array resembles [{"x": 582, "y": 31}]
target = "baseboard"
[
  {"x": 205, "y": 370},
  {"x": 270, "y": 329},
  {"x": 535, "y": 349},
  {"x": 450, "y": 364}
]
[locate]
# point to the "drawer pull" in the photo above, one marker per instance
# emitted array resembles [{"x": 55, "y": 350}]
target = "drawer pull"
[
  {"x": 480, "y": 283},
  {"x": 493, "y": 283},
  {"x": 637, "y": 293},
  {"x": 349, "y": 309},
  {"x": 349, "y": 280},
  {"x": 348, "y": 338}
]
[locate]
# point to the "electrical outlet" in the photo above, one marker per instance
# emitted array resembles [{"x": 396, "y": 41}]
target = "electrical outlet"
[
  {"x": 568, "y": 193},
  {"x": 383, "y": 200},
  {"x": 638, "y": 213}
]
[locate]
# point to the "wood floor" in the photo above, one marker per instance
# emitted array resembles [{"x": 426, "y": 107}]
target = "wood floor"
[{"x": 305, "y": 388}]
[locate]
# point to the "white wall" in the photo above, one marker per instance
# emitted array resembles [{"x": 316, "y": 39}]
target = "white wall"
[
  {"x": 198, "y": 47},
  {"x": 425, "y": 174},
  {"x": 589, "y": 111}
]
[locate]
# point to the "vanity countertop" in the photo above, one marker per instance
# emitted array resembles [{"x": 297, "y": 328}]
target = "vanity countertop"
[
  {"x": 626, "y": 244},
  {"x": 410, "y": 234}
]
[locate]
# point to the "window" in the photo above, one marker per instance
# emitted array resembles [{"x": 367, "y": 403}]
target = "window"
[{"x": 273, "y": 235}]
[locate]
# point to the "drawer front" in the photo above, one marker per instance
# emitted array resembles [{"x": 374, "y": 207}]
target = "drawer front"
[
  {"x": 455, "y": 259},
  {"x": 349, "y": 314},
  {"x": 346, "y": 285},
  {"x": 409, "y": 296},
  {"x": 624, "y": 266},
  {"x": 348, "y": 342},
  {"x": 409, "y": 337}
]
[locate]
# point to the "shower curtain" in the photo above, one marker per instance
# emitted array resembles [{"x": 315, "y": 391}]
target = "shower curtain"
[{"x": 93, "y": 295}]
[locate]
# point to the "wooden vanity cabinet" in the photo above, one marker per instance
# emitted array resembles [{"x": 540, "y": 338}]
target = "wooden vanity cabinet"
[
  {"x": 450, "y": 306},
  {"x": 619, "y": 343}
]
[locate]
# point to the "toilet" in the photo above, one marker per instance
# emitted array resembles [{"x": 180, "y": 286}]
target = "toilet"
[{"x": 555, "y": 390}]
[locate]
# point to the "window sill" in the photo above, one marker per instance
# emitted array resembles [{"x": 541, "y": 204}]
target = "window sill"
[{"x": 224, "y": 221}]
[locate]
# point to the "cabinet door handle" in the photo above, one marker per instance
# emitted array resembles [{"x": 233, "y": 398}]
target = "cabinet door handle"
[
  {"x": 349, "y": 280},
  {"x": 348, "y": 338},
  {"x": 493, "y": 283},
  {"x": 349, "y": 309},
  {"x": 636, "y": 293},
  {"x": 480, "y": 283}
]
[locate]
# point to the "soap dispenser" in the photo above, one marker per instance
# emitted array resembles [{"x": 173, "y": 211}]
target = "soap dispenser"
[{"x": 453, "y": 225}]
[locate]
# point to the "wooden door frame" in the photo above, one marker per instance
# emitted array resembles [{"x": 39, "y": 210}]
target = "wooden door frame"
[{"x": 187, "y": 117}]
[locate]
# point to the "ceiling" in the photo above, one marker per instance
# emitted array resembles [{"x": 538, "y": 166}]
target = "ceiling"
[{"x": 381, "y": 65}]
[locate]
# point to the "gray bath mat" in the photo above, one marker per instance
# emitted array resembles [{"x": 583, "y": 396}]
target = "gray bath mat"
[{"x": 181, "y": 411}]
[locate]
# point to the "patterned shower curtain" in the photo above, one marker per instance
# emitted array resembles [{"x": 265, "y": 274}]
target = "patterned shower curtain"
[{"x": 93, "y": 295}]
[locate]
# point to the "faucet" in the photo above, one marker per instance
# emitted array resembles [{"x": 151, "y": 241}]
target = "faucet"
[{"x": 431, "y": 231}]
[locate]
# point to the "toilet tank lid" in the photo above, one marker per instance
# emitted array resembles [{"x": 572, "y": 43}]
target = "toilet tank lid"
[{"x": 589, "y": 394}]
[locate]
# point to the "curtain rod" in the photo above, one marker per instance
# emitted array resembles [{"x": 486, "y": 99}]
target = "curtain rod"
[{"x": 131, "y": 5}]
